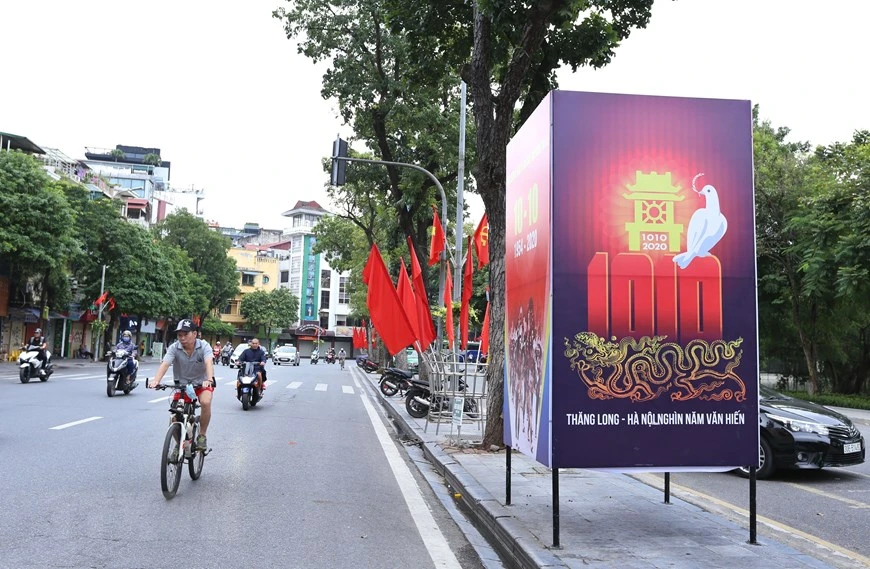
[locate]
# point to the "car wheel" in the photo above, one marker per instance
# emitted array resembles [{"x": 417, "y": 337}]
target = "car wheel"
[{"x": 765, "y": 462}]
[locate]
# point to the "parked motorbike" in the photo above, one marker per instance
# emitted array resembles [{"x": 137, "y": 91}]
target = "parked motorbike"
[
  {"x": 249, "y": 389},
  {"x": 314, "y": 357},
  {"x": 117, "y": 377},
  {"x": 419, "y": 399},
  {"x": 394, "y": 381},
  {"x": 368, "y": 366},
  {"x": 30, "y": 366}
]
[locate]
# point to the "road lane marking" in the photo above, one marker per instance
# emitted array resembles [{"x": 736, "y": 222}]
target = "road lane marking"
[
  {"x": 700, "y": 497},
  {"x": 294, "y": 385},
  {"x": 428, "y": 529},
  {"x": 853, "y": 503},
  {"x": 159, "y": 399},
  {"x": 347, "y": 389},
  {"x": 74, "y": 423},
  {"x": 321, "y": 387}
]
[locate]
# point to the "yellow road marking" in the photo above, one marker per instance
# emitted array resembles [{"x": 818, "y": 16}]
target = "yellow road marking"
[
  {"x": 853, "y": 503},
  {"x": 657, "y": 482}
]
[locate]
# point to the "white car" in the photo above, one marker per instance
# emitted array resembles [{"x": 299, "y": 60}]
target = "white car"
[
  {"x": 286, "y": 355},
  {"x": 234, "y": 359}
]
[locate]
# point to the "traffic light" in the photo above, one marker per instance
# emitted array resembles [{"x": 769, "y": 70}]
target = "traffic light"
[{"x": 339, "y": 150}]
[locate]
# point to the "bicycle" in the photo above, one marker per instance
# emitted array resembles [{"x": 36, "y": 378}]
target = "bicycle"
[
  {"x": 341, "y": 363},
  {"x": 183, "y": 406}
]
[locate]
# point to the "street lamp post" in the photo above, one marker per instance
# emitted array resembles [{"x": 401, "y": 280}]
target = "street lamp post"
[{"x": 98, "y": 345}]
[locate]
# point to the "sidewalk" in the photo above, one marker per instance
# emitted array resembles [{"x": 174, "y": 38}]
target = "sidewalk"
[{"x": 606, "y": 520}]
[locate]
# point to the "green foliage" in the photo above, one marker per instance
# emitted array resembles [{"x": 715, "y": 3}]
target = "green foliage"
[
  {"x": 215, "y": 327},
  {"x": 273, "y": 310},
  {"x": 152, "y": 159},
  {"x": 833, "y": 399},
  {"x": 117, "y": 154},
  {"x": 207, "y": 253}
]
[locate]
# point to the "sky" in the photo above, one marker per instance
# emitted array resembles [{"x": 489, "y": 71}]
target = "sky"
[{"x": 238, "y": 113}]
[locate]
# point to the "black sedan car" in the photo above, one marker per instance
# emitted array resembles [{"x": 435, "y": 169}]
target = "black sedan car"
[{"x": 800, "y": 434}]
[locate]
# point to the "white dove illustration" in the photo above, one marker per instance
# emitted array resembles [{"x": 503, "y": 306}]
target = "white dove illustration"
[{"x": 706, "y": 227}]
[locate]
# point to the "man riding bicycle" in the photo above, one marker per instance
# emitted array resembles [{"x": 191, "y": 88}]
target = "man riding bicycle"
[{"x": 192, "y": 362}]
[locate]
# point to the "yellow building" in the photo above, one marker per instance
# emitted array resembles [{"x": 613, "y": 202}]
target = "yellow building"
[{"x": 258, "y": 270}]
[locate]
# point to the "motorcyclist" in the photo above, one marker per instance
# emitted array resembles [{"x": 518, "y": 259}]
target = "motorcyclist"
[
  {"x": 330, "y": 354},
  {"x": 127, "y": 344},
  {"x": 314, "y": 355},
  {"x": 38, "y": 343},
  {"x": 254, "y": 353},
  {"x": 216, "y": 351},
  {"x": 226, "y": 353}
]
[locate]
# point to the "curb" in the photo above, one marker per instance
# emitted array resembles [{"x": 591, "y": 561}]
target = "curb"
[{"x": 516, "y": 545}]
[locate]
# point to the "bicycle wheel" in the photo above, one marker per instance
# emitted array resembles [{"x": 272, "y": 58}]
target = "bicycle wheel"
[
  {"x": 197, "y": 457},
  {"x": 171, "y": 461}
]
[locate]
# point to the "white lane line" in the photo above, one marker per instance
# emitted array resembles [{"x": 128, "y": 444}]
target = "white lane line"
[
  {"x": 347, "y": 389},
  {"x": 294, "y": 385},
  {"x": 159, "y": 399},
  {"x": 74, "y": 423},
  {"x": 230, "y": 383},
  {"x": 433, "y": 539},
  {"x": 321, "y": 387}
]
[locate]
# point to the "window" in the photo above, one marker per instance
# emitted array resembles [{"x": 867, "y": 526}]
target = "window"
[
  {"x": 324, "y": 300},
  {"x": 265, "y": 279},
  {"x": 325, "y": 279},
  {"x": 247, "y": 279},
  {"x": 285, "y": 276},
  {"x": 343, "y": 293}
]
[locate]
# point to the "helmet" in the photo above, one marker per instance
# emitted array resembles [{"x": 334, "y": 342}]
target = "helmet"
[
  {"x": 126, "y": 336},
  {"x": 38, "y": 331}
]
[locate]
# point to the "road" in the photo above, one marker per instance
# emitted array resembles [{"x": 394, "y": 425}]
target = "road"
[
  {"x": 311, "y": 477},
  {"x": 830, "y": 506}
]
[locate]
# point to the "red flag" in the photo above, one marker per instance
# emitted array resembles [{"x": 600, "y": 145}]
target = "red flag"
[
  {"x": 102, "y": 298},
  {"x": 466, "y": 297},
  {"x": 355, "y": 338},
  {"x": 111, "y": 305},
  {"x": 425, "y": 327},
  {"x": 484, "y": 334},
  {"x": 385, "y": 308},
  {"x": 481, "y": 242},
  {"x": 436, "y": 246},
  {"x": 409, "y": 303},
  {"x": 448, "y": 304}
]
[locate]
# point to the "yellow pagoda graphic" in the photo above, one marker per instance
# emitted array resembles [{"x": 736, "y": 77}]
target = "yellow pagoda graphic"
[{"x": 653, "y": 227}]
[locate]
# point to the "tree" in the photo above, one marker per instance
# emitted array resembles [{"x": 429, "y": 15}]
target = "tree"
[
  {"x": 507, "y": 52},
  {"x": 152, "y": 159},
  {"x": 393, "y": 111},
  {"x": 36, "y": 239},
  {"x": 276, "y": 309},
  {"x": 207, "y": 251}
]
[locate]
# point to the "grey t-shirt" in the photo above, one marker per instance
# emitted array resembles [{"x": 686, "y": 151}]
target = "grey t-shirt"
[{"x": 188, "y": 369}]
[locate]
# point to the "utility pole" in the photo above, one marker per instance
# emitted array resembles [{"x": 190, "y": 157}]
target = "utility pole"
[{"x": 460, "y": 202}]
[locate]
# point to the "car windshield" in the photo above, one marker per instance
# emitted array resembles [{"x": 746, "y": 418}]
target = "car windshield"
[
  {"x": 768, "y": 394},
  {"x": 239, "y": 349},
  {"x": 286, "y": 349}
]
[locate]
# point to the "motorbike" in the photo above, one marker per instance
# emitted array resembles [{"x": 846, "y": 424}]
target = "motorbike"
[
  {"x": 419, "y": 399},
  {"x": 29, "y": 365},
  {"x": 314, "y": 357},
  {"x": 368, "y": 366},
  {"x": 249, "y": 390},
  {"x": 330, "y": 358},
  {"x": 394, "y": 381},
  {"x": 117, "y": 377},
  {"x": 225, "y": 358}
]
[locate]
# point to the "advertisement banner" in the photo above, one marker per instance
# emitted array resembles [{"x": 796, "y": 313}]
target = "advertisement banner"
[
  {"x": 654, "y": 283},
  {"x": 631, "y": 314},
  {"x": 527, "y": 288}
]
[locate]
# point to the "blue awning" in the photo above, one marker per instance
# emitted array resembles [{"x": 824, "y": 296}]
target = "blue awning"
[{"x": 28, "y": 315}]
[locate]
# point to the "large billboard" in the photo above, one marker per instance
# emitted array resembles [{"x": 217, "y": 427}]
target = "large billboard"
[{"x": 649, "y": 356}]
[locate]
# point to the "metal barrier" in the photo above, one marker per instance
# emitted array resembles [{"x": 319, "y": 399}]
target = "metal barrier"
[{"x": 458, "y": 393}]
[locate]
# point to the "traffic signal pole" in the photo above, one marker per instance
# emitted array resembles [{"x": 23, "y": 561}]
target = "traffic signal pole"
[{"x": 339, "y": 154}]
